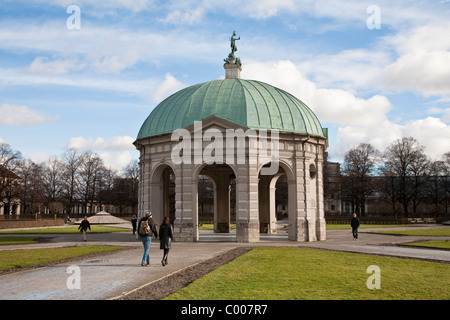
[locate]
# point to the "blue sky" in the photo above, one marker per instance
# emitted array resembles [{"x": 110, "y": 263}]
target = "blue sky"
[{"x": 92, "y": 87}]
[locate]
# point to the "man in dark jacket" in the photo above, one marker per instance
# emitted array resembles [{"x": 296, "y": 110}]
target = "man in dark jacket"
[
  {"x": 355, "y": 225},
  {"x": 147, "y": 238},
  {"x": 84, "y": 225}
]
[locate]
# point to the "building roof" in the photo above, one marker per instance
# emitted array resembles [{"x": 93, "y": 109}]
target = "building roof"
[{"x": 248, "y": 103}]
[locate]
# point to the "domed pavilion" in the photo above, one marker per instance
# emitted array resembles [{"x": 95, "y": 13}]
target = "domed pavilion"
[{"x": 240, "y": 133}]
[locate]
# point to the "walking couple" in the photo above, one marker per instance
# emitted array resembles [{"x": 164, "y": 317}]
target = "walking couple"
[{"x": 146, "y": 228}]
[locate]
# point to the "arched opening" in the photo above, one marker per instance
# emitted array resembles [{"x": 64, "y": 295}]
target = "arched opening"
[
  {"x": 206, "y": 192},
  {"x": 312, "y": 171},
  {"x": 282, "y": 198},
  {"x": 162, "y": 194},
  {"x": 216, "y": 197},
  {"x": 272, "y": 196}
]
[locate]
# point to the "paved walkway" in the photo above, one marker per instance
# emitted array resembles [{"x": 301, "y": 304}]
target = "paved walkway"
[{"x": 113, "y": 274}]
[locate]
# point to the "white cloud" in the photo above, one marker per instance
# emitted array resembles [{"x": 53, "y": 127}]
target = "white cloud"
[
  {"x": 425, "y": 72},
  {"x": 358, "y": 119},
  {"x": 432, "y": 133},
  {"x": 54, "y": 67},
  {"x": 116, "y": 160},
  {"x": 429, "y": 36},
  {"x": 38, "y": 157},
  {"x": 445, "y": 113},
  {"x": 14, "y": 77},
  {"x": 116, "y": 152},
  {"x": 189, "y": 17},
  {"x": 330, "y": 105},
  {"x": 263, "y": 9},
  {"x": 16, "y": 115},
  {"x": 423, "y": 61},
  {"x": 379, "y": 135},
  {"x": 102, "y": 7},
  {"x": 353, "y": 70},
  {"x": 115, "y": 143},
  {"x": 167, "y": 87}
]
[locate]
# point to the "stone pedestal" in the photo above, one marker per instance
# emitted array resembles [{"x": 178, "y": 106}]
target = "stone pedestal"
[
  {"x": 232, "y": 69},
  {"x": 298, "y": 230},
  {"x": 183, "y": 231},
  {"x": 247, "y": 231}
]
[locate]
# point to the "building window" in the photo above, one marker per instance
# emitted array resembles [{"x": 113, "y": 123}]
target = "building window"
[{"x": 312, "y": 171}]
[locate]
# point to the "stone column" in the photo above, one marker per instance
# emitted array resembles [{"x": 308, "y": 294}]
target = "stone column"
[
  {"x": 223, "y": 205},
  {"x": 264, "y": 203},
  {"x": 184, "y": 210},
  {"x": 145, "y": 189},
  {"x": 320, "y": 222},
  {"x": 272, "y": 209},
  {"x": 297, "y": 200},
  {"x": 247, "y": 220},
  {"x": 267, "y": 201},
  {"x": 165, "y": 195}
]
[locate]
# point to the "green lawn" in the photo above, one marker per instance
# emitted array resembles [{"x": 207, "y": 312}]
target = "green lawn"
[
  {"x": 210, "y": 226},
  {"x": 287, "y": 273},
  {"x": 65, "y": 230},
  {"x": 28, "y": 257},
  {"x": 438, "y": 232},
  {"x": 17, "y": 240},
  {"x": 437, "y": 244},
  {"x": 365, "y": 226}
]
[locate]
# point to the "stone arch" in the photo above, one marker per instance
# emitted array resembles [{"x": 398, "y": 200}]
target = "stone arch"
[
  {"x": 162, "y": 192},
  {"x": 221, "y": 176},
  {"x": 284, "y": 165},
  {"x": 200, "y": 196},
  {"x": 267, "y": 195}
]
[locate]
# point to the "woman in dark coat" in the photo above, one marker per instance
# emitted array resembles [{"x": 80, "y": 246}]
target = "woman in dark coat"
[{"x": 165, "y": 238}]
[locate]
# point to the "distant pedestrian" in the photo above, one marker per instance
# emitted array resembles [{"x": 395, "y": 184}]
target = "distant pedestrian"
[
  {"x": 146, "y": 228},
  {"x": 133, "y": 223},
  {"x": 355, "y": 225},
  {"x": 84, "y": 225},
  {"x": 165, "y": 238}
]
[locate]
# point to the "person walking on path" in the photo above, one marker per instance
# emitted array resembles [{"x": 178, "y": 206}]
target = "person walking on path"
[
  {"x": 133, "y": 223},
  {"x": 355, "y": 225},
  {"x": 84, "y": 225},
  {"x": 146, "y": 228},
  {"x": 165, "y": 238}
]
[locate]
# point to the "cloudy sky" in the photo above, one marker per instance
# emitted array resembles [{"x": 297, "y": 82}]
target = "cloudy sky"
[{"x": 372, "y": 71}]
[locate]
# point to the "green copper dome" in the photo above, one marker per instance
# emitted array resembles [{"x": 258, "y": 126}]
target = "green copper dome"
[{"x": 248, "y": 103}]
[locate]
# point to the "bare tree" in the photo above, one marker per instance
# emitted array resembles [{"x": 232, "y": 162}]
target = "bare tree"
[
  {"x": 31, "y": 191},
  {"x": 53, "y": 188},
  {"x": 9, "y": 179},
  {"x": 9, "y": 162},
  {"x": 403, "y": 167},
  {"x": 120, "y": 194},
  {"x": 205, "y": 194},
  {"x": 419, "y": 178},
  {"x": 446, "y": 181},
  {"x": 90, "y": 172},
  {"x": 435, "y": 188},
  {"x": 132, "y": 177},
  {"x": 106, "y": 185},
  {"x": 71, "y": 163},
  {"x": 357, "y": 176}
]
